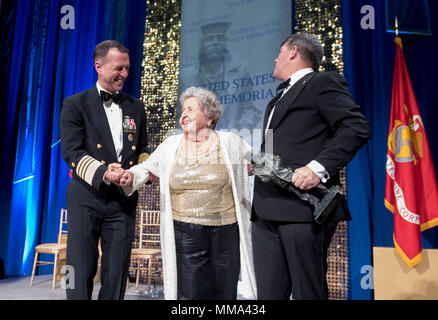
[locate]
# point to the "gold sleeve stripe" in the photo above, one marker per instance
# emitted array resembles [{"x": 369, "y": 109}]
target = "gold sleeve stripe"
[
  {"x": 83, "y": 163},
  {"x": 143, "y": 157},
  {"x": 86, "y": 169}
]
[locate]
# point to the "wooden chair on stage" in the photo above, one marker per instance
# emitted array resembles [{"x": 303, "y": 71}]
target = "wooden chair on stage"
[
  {"x": 58, "y": 249},
  {"x": 99, "y": 263},
  {"x": 148, "y": 244}
]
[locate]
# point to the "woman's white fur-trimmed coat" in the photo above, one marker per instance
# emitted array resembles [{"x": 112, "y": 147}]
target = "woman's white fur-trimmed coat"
[{"x": 160, "y": 164}]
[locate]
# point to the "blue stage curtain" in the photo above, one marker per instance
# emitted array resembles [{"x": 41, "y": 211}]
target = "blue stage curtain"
[
  {"x": 369, "y": 65},
  {"x": 46, "y": 64},
  {"x": 8, "y": 11}
]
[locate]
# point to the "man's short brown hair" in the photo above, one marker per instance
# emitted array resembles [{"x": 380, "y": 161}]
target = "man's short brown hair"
[
  {"x": 308, "y": 46},
  {"x": 102, "y": 49}
]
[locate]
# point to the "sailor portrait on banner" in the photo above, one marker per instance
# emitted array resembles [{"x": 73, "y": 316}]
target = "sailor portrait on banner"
[{"x": 219, "y": 69}]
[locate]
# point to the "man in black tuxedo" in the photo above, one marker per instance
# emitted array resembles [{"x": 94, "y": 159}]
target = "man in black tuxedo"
[
  {"x": 316, "y": 128},
  {"x": 102, "y": 130}
]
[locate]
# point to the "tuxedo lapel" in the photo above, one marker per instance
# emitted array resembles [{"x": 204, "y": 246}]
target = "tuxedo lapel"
[
  {"x": 269, "y": 109},
  {"x": 100, "y": 121},
  {"x": 283, "y": 105}
]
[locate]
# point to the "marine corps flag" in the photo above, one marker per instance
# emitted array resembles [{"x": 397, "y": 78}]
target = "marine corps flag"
[{"x": 411, "y": 192}]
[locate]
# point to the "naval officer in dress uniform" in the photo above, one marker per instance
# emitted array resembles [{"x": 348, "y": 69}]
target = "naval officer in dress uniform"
[{"x": 102, "y": 130}]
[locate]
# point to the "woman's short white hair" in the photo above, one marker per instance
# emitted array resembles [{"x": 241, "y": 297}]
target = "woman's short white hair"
[{"x": 209, "y": 103}]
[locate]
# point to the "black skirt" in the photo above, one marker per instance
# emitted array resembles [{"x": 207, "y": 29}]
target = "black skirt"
[{"x": 208, "y": 261}]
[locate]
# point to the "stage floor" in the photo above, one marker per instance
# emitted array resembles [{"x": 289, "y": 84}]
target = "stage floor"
[{"x": 20, "y": 289}]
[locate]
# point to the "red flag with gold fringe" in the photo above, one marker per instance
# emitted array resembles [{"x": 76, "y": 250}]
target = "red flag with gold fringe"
[{"x": 411, "y": 191}]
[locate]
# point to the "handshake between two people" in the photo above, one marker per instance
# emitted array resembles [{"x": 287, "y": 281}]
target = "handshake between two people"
[{"x": 121, "y": 177}]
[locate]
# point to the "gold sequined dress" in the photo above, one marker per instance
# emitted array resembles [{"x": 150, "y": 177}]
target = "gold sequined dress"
[{"x": 201, "y": 190}]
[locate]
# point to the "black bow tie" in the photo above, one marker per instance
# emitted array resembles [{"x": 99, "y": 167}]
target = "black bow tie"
[
  {"x": 105, "y": 96},
  {"x": 283, "y": 85}
]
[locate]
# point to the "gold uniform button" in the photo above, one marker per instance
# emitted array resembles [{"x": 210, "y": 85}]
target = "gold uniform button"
[
  {"x": 73, "y": 164},
  {"x": 102, "y": 162},
  {"x": 133, "y": 148},
  {"x": 131, "y": 163},
  {"x": 99, "y": 146}
]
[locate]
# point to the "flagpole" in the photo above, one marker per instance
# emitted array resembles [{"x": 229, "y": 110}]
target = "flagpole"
[{"x": 397, "y": 39}]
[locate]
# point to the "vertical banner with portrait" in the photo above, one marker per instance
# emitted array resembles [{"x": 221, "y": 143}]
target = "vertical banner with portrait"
[{"x": 229, "y": 47}]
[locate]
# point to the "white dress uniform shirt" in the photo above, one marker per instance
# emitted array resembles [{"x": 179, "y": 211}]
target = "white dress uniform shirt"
[{"x": 114, "y": 115}]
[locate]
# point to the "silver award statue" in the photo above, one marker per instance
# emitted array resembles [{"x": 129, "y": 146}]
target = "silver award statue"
[{"x": 267, "y": 167}]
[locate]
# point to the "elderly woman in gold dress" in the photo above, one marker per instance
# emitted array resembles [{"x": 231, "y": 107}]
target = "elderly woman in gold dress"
[{"x": 205, "y": 204}]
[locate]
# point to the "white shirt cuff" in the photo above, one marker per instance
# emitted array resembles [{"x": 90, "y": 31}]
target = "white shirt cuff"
[{"x": 319, "y": 170}]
